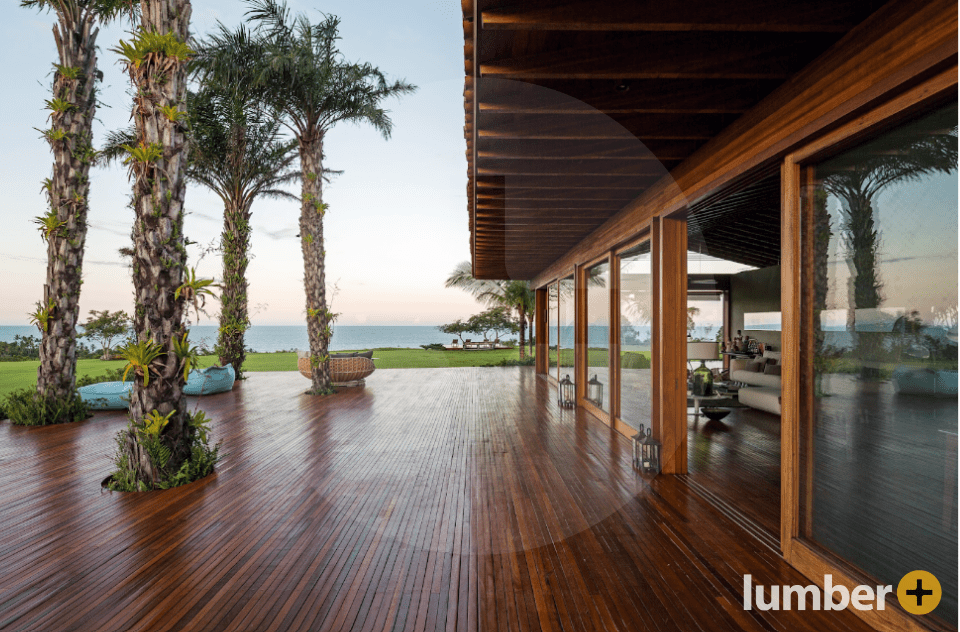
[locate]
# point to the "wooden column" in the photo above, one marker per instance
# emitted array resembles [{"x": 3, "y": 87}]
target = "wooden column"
[
  {"x": 790, "y": 262},
  {"x": 614, "y": 341},
  {"x": 670, "y": 314},
  {"x": 543, "y": 331}
]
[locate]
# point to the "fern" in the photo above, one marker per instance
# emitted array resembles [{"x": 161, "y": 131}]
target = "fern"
[{"x": 68, "y": 72}]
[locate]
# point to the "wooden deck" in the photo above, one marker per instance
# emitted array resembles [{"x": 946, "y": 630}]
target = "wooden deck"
[{"x": 432, "y": 499}]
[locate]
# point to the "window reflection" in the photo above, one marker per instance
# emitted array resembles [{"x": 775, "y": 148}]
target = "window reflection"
[{"x": 884, "y": 354}]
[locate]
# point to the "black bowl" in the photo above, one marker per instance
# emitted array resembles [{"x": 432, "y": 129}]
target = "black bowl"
[{"x": 714, "y": 414}]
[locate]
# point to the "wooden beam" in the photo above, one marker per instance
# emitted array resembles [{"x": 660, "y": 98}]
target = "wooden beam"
[
  {"x": 664, "y": 56},
  {"x": 550, "y": 149},
  {"x": 800, "y": 16},
  {"x": 616, "y": 127},
  {"x": 606, "y": 183},
  {"x": 640, "y": 96},
  {"x": 596, "y": 167},
  {"x": 885, "y": 54}
]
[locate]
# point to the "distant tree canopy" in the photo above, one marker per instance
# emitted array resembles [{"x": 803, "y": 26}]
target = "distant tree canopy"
[
  {"x": 496, "y": 320},
  {"x": 104, "y": 327}
]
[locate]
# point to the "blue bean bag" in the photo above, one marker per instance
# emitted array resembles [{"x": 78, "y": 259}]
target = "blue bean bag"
[
  {"x": 216, "y": 379},
  {"x": 107, "y": 395}
]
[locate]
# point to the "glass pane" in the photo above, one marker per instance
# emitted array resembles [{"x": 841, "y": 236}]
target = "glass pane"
[
  {"x": 551, "y": 333},
  {"x": 636, "y": 320},
  {"x": 566, "y": 323},
  {"x": 598, "y": 335},
  {"x": 884, "y": 337}
]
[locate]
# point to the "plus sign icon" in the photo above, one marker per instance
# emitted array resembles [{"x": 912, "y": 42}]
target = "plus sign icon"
[{"x": 919, "y": 592}]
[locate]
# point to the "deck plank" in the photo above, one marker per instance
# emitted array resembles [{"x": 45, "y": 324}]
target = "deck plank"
[{"x": 431, "y": 499}]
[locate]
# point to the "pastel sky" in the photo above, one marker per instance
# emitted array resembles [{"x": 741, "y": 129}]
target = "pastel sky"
[{"x": 397, "y": 223}]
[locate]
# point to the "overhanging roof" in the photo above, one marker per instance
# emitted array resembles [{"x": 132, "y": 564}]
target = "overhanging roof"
[{"x": 574, "y": 109}]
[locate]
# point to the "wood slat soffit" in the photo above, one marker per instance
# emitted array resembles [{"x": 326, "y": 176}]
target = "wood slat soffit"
[{"x": 574, "y": 109}]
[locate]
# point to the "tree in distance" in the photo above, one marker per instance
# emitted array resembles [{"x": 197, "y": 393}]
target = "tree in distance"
[{"x": 103, "y": 327}]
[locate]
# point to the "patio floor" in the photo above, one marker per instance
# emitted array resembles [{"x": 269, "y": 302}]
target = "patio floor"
[{"x": 431, "y": 499}]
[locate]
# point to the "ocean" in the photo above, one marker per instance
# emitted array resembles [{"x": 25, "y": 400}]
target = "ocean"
[{"x": 267, "y": 339}]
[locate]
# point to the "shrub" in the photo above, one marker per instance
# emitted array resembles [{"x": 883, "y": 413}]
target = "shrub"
[
  {"x": 26, "y": 407},
  {"x": 527, "y": 361},
  {"x": 200, "y": 457},
  {"x": 3, "y": 412},
  {"x": 631, "y": 360},
  {"x": 436, "y": 346}
]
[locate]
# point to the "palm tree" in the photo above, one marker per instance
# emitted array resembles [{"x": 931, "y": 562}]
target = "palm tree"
[
  {"x": 515, "y": 295},
  {"x": 156, "y": 59},
  {"x": 72, "y": 108},
  {"x": 303, "y": 78},
  {"x": 238, "y": 153},
  {"x": 857, "y": 179}
]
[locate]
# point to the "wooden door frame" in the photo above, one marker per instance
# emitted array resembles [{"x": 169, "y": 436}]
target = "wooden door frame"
[{"x": 805, "y": 555}]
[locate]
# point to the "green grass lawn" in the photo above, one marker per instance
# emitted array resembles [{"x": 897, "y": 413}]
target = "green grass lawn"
[{"x": 14, "y": 375}]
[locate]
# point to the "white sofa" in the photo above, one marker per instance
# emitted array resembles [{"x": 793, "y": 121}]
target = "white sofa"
[{"x": 762, "y": 390}]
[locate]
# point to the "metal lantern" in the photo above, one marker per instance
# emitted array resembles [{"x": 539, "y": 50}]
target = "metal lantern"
[
  {"x": 568, "y": 395},
  {"x": 595, "y": 390},
  {"x": 637, "y": 442},
  {"x": 650, "y": 454}
]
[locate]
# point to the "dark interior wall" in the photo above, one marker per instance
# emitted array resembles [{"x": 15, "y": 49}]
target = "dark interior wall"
[{"x": 755, "y": 291}]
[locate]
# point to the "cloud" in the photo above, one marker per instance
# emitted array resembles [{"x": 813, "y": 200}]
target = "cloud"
[
  {"x": 108, "y": 229},
  {"x": 209, "y": 218},
  {"x": 283, "y": 233}
]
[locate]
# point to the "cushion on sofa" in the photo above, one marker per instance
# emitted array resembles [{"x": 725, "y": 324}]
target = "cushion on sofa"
[
  {"x": 761, "y": 397},
  {"x": 772, "y": 369}
]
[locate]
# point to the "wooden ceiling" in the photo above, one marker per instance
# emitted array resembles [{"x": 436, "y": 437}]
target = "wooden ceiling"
[{"x": 574, "y": 108}]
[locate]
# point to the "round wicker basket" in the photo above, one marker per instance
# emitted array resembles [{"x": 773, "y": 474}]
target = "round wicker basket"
[{"x": 342, "y": 370}]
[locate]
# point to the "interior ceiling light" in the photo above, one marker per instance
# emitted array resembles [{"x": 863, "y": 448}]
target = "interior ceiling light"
[{"x": 623, "y": 87}]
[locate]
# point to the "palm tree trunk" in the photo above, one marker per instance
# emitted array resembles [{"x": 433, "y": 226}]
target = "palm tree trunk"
[
  {"x": 68, "y": 193},
  {"x": 311, "y": 243},
  {"x": 865, "y": 287},
  {"x": 523, "y": 332},
  {"x": 235, "y": 245},
  {"x": 530, "y": 326},
  {"x": 160, "y": 256}
]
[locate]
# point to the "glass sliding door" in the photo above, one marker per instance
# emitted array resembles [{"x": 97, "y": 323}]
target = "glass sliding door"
[
  {"x": 553, "y": 305},
  {"x": 636, "y": 335},
  {"x": 566, "y": 325},
  {"x": 598, "y": 335},
  {"x": 879, "y": 403}
]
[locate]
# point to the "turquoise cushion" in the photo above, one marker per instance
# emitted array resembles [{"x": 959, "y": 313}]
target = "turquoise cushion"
[
  {"x": 107, "y": 395},
  {"x": 216, "y": 379}
]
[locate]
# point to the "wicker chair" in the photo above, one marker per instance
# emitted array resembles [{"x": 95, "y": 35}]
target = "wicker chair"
[{"x": 343, "y": 371}]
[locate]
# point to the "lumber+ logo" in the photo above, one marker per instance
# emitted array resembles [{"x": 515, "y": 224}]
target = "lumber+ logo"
[{"x": 918, "y": 592}]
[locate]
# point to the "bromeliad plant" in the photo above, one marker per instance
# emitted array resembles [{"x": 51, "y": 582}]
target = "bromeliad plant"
[
  {"x": 195, "y": 291},
  {"x": 188, "y": 356},
  {"x": 140, "y": 357},
  {"x": 49, "y": 225},
  {"x": 150, "y": 47},
  {"x": 42, "y": 315}
]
